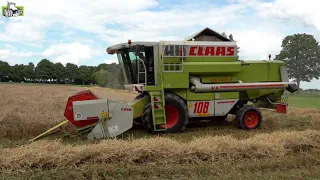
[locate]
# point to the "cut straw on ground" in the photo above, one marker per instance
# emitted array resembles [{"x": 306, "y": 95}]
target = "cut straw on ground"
[{"x": 160, "y": 151}]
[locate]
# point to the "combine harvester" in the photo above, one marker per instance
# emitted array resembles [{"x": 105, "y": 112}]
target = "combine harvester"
[{"x": 181, "y": 81}]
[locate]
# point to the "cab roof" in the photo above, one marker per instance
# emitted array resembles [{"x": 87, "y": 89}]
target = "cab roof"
[{"x": 114, "y": 49}]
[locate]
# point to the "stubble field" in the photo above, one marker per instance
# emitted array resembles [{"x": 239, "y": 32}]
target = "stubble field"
[{"x": 286, "y": 145}]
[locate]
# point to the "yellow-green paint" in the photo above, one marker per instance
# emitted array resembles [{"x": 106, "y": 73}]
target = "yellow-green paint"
[
  {"x": 138, "y": 105},
  {"x": 172, "y": 60},
  {"x": 180, "y": 92},
  {"x": 172, "y": 80},
  {"x": 252, "y": 94},
  {"x": 212, "y": 67},
  {"x": 153, "y": 88},
  {"x": 192, "y": 96}
]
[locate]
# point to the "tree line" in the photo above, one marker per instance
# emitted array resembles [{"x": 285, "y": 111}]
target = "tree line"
[{"x": 105, "y": 75}]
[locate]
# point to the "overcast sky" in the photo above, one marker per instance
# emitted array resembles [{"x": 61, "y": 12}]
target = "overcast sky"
[{"x": 79, "y": 31}]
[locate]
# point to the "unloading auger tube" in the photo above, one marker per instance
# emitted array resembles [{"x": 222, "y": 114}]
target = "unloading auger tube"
[{"x": 197, "y": 86}]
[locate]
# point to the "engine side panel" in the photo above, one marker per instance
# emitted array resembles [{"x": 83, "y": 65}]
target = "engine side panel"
[{"x": 222, "y": 107}]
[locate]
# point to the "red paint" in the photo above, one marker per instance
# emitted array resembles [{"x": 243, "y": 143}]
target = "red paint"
[
  {"x": 221, "y": 51},
  {"x": 251, "y": 119},
  {"x": 181, "y": 51},
  {"x": 172, "y": 115},
  {"x": 223, "y": 79},
  {"x": 281, "y": 108},
  {"x": 264, "y": 85},
  {"x": 192, "y": 51},
  {"x": 230, "y": 51},
  {"x": 155, "y": 99},
  {"x": 126, "y": 109},
  {"x": 226, "y": 102},
  {"x": 215, "y": 87},
  {"x": 93, "y": 118},
  {"x": 80, "y": 96},
  {"x": 201, "y": 107},
  {"x": 136, "y": 88},
  {"x": 211, "y": 51},
  {"x": 244, "y": 86},
  {"x": 155, "y": 106},
  {"x": 200, "y": 51}
]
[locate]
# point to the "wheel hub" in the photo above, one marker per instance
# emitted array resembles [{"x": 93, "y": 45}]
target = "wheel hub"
[
  {"x": 172, "y": 115},
  {"x": 251, "y": 119}
]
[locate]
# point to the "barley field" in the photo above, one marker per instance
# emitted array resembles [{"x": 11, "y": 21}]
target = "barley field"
[{"x": 286, "y": 146}]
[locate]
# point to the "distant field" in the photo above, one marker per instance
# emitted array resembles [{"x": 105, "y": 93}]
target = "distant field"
[
  {"x": 304, "y": 101},
  {"x": 287, "y": 146},
  {"x": 42, "y": 84}
]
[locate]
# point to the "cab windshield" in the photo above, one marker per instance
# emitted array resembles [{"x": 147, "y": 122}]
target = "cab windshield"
[{"x": 130, "y": 59}]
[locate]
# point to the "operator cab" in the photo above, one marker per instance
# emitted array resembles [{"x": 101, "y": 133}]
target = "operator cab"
[{"x": 137, "y": 61}]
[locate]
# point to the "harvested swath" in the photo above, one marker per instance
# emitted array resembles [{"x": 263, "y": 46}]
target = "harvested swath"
[
  {"x": 157, "y": 151},
  {"x": 304, "y": 112}
]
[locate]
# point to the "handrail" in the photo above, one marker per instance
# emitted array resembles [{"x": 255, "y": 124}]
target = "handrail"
[{"x": 145, "y": 72}]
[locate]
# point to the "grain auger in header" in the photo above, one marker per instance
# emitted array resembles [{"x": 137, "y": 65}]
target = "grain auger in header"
[{"x": 182, "y": 81}]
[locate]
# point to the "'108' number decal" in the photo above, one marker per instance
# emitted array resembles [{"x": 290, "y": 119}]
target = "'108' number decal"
[{"x": 201, "y": 107}]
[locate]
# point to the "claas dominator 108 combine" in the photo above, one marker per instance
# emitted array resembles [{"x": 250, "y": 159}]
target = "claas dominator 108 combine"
[{"x": 181, "y": 81}]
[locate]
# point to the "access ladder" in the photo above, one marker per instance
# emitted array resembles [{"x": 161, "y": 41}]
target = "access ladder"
[{"x": 158, "y": 110}]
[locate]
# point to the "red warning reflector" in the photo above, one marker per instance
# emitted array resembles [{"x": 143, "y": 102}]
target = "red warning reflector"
[
  {"x": 281, "y": 108},
  {"x": 155, "y": 106}
]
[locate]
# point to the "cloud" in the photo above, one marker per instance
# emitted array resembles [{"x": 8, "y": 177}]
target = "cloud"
[
  {"x": 74, "y": 52},
  {"x": 13, "y": 55},
  {"x": 4, "y": 53},
  {"x": 85, "y": 16},
  {"x": 24, "y": 31},
  {"x": 257, "y": 45},
  {"x": 99, "y": 18},
  {"x": 296, "y": 11}
]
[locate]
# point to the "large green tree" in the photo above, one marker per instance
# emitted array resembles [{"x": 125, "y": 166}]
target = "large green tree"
[
  {"x": 101, "y": 77},
  {"x": 301, "y": 52},
  {"x": 4, "y": 70},
  {"x": 59, "y": 73},
  {"x": 45, "y": 70},
  {"x": 17, "y": 73},
  {"x": 71, "y": 72},
  {"x": 29, "y": 71},
  {"x": 84, "y": 74}
]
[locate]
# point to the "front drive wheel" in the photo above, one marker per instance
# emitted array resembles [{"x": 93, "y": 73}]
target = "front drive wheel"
[
  {"x": 176, "y": 115},
  {"x": 249, "y": 117}
]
